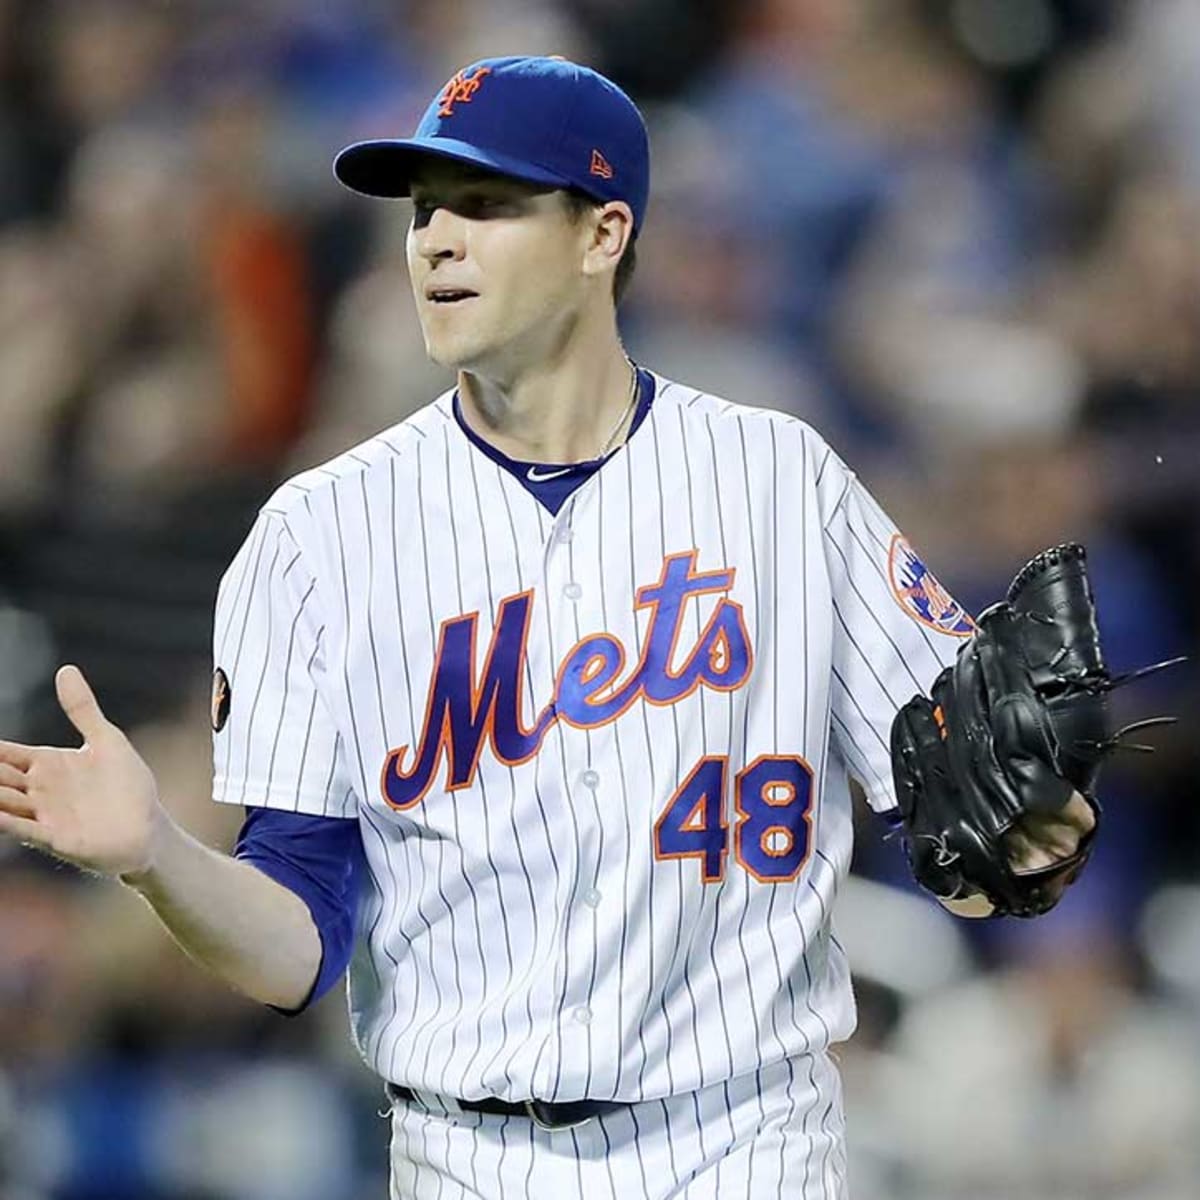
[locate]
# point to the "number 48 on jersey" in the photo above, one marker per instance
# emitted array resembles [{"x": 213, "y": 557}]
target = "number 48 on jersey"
[{"x": 772, "y": 800}]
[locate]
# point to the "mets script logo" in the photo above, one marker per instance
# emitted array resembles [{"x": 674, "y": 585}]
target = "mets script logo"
[
  {"x": 464, "y": 710},
  {"x": 919, "y": 593},
  {"x": 461, "y": 89}
]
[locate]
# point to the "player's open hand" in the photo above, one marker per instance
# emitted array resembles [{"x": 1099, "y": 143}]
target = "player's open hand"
[{"x": 96, "y": 807}]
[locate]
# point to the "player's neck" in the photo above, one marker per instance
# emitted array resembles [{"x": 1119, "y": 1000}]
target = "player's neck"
[{"x": 572, "y": 407}]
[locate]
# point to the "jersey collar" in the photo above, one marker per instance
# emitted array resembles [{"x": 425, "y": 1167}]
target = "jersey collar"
[{"x": 552, "y": 483}]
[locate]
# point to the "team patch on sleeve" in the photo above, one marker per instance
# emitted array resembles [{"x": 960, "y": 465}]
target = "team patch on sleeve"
[
  {"x": 918, "y": 592},
  {"x": 220, "y": 700}
]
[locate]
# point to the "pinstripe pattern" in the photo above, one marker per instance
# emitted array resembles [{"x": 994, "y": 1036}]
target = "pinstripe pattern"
[
  {"x": 520, "y": 937},
  {"x": 740, "y": 1138}
]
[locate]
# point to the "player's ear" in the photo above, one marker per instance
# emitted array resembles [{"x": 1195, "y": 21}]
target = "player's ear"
[{"x": 610, "y": 232}]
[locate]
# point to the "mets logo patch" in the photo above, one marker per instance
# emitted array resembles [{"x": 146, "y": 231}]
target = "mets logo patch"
[{"x": 918, "y": 592}]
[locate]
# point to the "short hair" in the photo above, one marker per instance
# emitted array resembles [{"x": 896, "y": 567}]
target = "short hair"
[{"x": 578, "y": 203}]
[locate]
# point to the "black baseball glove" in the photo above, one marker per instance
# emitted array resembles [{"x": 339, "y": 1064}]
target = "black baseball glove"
[{"x": 1014, "y": 729}]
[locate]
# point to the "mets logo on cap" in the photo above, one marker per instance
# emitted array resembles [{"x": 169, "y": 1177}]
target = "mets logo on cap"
[
  {"x": 461, "y": 90},
  {"x": 918, "y": 592}
]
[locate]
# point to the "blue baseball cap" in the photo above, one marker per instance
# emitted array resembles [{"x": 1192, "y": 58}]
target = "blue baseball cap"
[{"x": 545, "y": 120}]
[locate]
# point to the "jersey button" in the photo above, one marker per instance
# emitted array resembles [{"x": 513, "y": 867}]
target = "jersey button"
[
  {"x": 591, "y": 779},
  {"x": 583, "y": 1015},
  {"x": 565, "y": 533},
  {"x": 592, "y": 898},
  {"x": 572, "y": 591}
]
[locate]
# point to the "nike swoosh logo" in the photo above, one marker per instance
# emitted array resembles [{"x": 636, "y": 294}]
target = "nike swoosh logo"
[{"x": 536, "y": 476}]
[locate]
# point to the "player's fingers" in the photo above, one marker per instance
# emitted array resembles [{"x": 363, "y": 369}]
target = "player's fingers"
[
  {"x": 79, "y": 703},
  {"x": 16, "y": 804},
  {"x": 1028, "y": 855},
  {"x": 13, "y": 779},
  {"x": 24, "y": 830},
  {"x": 1056, "y": 834},
  {"x": 17, "y": 755},
  {"x": 1079, "y": 814}
]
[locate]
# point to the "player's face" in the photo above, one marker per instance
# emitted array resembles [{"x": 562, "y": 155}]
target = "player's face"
[{"x": 495, "y": 266}]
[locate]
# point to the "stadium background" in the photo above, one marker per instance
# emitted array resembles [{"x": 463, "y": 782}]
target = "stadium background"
[{"x": 962, "y": 237}]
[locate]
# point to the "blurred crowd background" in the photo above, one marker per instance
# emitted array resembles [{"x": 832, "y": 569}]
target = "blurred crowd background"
[{"x": 961, "y": 237}]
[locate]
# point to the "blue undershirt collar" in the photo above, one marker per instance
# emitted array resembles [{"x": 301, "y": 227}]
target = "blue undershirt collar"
[{"x": 551, "y": 484}]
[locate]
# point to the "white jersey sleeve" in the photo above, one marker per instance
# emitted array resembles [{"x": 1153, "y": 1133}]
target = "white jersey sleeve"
[
  {"x": 895, "y": 628},
  {"x": 275, "y": 743}
]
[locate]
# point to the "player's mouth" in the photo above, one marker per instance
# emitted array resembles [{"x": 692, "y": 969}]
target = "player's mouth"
[{"x": 445, "y": 295}]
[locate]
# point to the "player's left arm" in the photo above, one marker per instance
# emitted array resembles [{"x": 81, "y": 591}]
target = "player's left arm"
[
  {"x": 997, "y": 772},
  {"x": 998, "y": 769},
  {"x": 894, "y": 627}
]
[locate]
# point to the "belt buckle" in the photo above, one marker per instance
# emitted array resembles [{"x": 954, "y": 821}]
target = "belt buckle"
[{"x": 533, "y": 1109}]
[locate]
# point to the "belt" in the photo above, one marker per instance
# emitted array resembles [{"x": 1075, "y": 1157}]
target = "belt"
[{"x": 542, "y": 1113}]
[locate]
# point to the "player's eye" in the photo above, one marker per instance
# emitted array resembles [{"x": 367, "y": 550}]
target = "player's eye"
[
  {"x": 474, "y": 206},
  {"x": 481, "y": 206}
]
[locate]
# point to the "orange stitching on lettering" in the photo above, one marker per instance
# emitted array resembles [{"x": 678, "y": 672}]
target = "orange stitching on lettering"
[
  {"x": 741, "y": 817},
  {"x": 665, "y": 855}
]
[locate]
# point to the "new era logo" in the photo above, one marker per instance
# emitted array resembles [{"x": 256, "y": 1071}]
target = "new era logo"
[
  {"x": 461, "y": 90},
  {"x": 600, "y": 166}
]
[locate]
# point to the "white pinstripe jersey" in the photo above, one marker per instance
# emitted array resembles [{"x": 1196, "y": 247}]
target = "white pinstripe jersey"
[{"x": 599, "y": 759}]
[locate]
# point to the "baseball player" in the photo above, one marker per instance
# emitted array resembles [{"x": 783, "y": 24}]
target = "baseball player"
[{"x": 543, "y": 706}]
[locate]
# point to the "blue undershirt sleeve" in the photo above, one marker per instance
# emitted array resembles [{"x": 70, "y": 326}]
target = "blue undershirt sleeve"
[{"x": 321, "y": 860}]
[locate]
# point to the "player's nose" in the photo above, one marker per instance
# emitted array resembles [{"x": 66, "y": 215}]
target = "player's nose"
[{"x": 440, "y": 236}]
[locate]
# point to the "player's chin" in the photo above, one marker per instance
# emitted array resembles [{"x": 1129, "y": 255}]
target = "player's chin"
[
  {"x": 451, "y": 353},
  {"x": 459, "y": 353}
]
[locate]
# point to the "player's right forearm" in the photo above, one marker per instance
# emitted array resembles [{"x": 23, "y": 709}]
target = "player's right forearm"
[{"x": 228, "y": 916}]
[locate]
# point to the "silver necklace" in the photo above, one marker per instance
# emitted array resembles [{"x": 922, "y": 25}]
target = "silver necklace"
[{"x": 633, "y": 394}]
